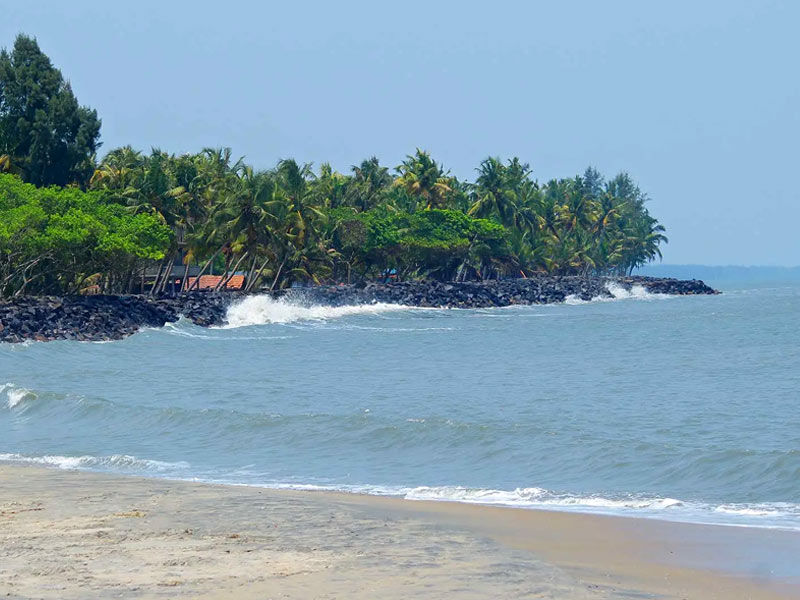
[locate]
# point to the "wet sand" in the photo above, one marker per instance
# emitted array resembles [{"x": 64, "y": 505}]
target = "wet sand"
[{"x": 70, "y": 535}]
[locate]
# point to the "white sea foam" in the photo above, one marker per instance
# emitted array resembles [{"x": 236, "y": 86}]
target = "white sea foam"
[
  {"x": 771, "y": 515},
  {"x": 759, "y": 509},
  {"x": 637, "y": 292},
  {"x": 762, "y": 515},
  {"x": 123, "y": 462},
  {"x": 618, "y": 292},
  {"x": 536, "y": 497},
  {"x": 15, "y": 394},
  {"x": 261, "y": 310},
  {"x": 185, "y": 328}
]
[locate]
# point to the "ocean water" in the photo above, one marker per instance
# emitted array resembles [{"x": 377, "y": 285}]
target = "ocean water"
[{"x": 678, "y": 408}]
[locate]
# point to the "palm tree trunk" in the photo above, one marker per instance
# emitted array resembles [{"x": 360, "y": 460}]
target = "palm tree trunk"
[
  {"x": 251, "y": 272},
  {"x": 168, "y": 272},
  {"x": 158, "y": 275},
  {"x": 203, "y": 270},
  {"x": 277, "y": 274},
  {"x": 224, "y": 273},
  {"x": 185, "y": 280},
  {"x": 252, "y": 283},
  {"x": 162, "y": 280},
  {"x": 224, "y": 282},
  {"x": 228, "y": 260},
  {"x": 466, "y": 258}
]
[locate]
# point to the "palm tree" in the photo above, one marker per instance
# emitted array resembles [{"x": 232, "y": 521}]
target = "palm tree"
[
  {"x": 370, "y": 182},
  {"x": 215, "y": 183},
  {"x": 496, "y": 190},
  {"x": 642, "y": 239},
  {"x": 121, "y": 173},
  {"x": 247, "y": 220},
  {"x": 423, "y": 179},
  {"x": 296, "y": 237},
  {"x": 331, "y": 189}
]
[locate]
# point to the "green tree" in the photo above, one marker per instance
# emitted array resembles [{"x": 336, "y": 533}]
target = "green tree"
[
  {"x": 369, "y": 185},
  {"x": 424, "y": 180},
  {"x": 55, "y": 240},
  {"x": 48, "y": 137}
]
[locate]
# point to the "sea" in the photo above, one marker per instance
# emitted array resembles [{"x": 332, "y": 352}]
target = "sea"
[{"x": 673, "y": 408}]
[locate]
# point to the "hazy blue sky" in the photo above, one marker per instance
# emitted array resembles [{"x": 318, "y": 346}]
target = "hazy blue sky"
[{"x": 699, "y": 101}]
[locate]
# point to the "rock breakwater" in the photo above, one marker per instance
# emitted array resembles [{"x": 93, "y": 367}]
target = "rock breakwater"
[
  {"x": 486, "y": 294},
  {"x": 98, "y": 318}
]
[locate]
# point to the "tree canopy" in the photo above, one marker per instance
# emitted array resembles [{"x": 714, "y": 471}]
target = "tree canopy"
[
  {"x": 139, "y": 212},
  {"x": 45, "y": 135},
  {"x": 57, "y": 240}
]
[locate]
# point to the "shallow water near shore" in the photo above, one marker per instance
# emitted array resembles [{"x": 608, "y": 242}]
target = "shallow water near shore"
[{"x": 679, "y": 408}]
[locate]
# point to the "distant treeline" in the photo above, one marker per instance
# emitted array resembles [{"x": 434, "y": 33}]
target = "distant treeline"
[{"x": 78, "y": 224}]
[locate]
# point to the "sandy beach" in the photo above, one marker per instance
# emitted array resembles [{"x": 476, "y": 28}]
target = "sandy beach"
[{"x": 68, "y": 534}]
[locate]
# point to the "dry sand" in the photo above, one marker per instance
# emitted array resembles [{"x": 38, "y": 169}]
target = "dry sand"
[{"x": 69, "y": 535}]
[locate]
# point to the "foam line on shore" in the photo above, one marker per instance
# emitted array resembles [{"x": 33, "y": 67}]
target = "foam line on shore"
[
  {"x": 763, "y": 515},
  {"x": 121, "y": 462}
]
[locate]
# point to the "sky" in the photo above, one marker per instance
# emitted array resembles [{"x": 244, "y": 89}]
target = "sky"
[{"x": 698, "y": 101}]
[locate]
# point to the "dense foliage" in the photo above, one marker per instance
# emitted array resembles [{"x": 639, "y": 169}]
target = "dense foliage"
[
  {"x": 45, "y": 136},
  {"x": 283, "y": 225},
  {"x": 290, "y": 224},
  {"x": 64, "y": 240}
]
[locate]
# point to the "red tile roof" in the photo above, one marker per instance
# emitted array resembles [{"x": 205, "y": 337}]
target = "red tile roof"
[{"x": 208, "y": 282}]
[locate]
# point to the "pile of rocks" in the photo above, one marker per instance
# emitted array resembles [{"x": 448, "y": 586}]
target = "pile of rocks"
[
  {"x": 534, "y": 290},
  {"x": 93, "y": 318}
]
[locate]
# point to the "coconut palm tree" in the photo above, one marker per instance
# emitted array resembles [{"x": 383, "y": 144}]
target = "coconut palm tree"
[
  {"x": 369, "y": 184},
  {"x": 296, "y": 239},
  {"x": 423, "y": 180},
  {"x": 246, "y": 218},
  {"x": 501, "y": 191}
]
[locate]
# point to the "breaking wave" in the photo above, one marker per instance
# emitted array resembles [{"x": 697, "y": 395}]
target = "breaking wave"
[
  {"x": 16, "y": 395},
  {"x": 115, "y": 462},
  {"x": 637, "y": 292},
  {"x": 263, "y": 310},
  {"x": 771, "y": 515},
  {"x": 618, "y": 292},
  {"x": 536, "y": 497}
]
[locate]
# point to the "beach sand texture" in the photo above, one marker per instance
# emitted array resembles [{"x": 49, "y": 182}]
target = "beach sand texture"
[{"x": 67, "y": 534}]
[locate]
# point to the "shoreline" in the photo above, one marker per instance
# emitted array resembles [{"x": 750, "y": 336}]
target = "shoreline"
[
  {"x": 105, "y": 318},
  {"x": 410, "y": 493},
  {"x": 59, "y": 526}
]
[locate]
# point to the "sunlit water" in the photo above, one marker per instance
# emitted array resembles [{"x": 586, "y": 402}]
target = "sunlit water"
[{"x": 677, "y": 408}]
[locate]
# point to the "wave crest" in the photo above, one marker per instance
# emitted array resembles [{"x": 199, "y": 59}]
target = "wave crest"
[
  {"x": 263, "y": 310},
  {"x": 536, "y": 497},
  {"x": 16, "y": 395},
  {"x": 618, "y": 292},
  {"x": 122, "y": 462}
]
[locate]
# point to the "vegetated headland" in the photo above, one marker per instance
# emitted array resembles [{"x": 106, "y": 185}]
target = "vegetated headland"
[{"x": 145, "y": 226}]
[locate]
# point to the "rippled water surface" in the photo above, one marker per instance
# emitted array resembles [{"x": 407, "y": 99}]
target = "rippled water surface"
[{"x": 678, "y": 408}]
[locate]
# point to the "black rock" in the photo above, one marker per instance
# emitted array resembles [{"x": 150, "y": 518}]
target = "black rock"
[{"x": 113, "y": 317}]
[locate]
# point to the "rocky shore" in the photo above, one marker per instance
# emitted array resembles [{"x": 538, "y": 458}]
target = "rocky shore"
[
  {"x": 487, "y": 294},
  {"x": 98, "y": 318}
]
